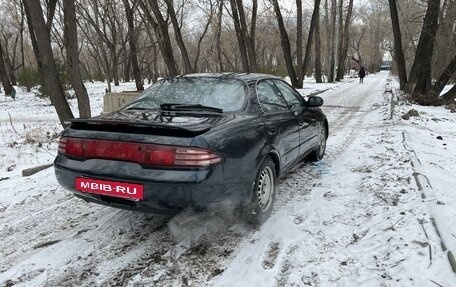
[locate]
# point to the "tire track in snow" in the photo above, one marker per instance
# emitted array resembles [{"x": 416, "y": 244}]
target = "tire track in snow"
[
  {"x": 349, "y": 126},
  {"x": 54, "y": 257},
  {"x": 346, "y": 118}
]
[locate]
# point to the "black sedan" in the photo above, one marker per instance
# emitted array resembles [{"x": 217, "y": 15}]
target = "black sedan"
[{"x": 200, "y": 140}]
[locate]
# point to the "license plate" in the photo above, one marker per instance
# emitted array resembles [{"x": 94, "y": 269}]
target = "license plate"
[{"x": 111, "y": 188}]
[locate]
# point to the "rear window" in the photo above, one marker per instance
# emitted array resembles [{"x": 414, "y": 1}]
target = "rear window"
[{"x": 226, "y": 94}]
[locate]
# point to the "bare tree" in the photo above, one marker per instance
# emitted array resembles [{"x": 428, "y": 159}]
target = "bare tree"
[
  {"x": 104, "y": 35},
  {"x": 245, "y": 39},
  {"x": 332, "y": 30},
  {"x": 327, "y": 31},
  {"x": 210, "y": 11},
  {"x": 240, "y": 37},
  {"x": 420, "y": 76},
  {"x": 133, "y": 45},
  {"x": 6, "y": 82},
  {"x": 74, "y": 71},
  {"x": 285, "y": 42},
  {"x": 218, "y": 35},
  {"x": 343, "y": 47},
  {"x": 357, "y": 38},
  {"x": 443, "y": 80},
  {"x": 398, "y": 51},
  {"x": 318, "y": 72},
  {"x": 160, "y": 26},
  {"x": 39, "y": 33},
  {"x": 177, "y": 33},
  {"x": 11, "y": 30},
  {"x": 300, "y": 72},
  {"x": 445, "y": 42},
  {"x": 313, "y": 23},
  {"x": 339, "y": 37}
]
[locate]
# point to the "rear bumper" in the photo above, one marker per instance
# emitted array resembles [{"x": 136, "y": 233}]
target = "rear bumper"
[{"x": 165, "y": 191}]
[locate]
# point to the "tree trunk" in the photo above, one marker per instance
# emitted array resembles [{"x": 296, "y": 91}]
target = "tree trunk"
[
  {"x": 4, "y": 75},
  {"x": 285, "y": 43},
  {"x": 180, "y": 42},
  {"x": 318, "y": 75},
  {"x": 450, "y": 96},
  {"x": 328, "y": 40},
  {"x": 10, "y": 63},
  {"x": 333, "y": 42},
  {"x": 22, "y": 35},
  {"x": 420, "y": 76},
  {"x": 339, "y": 37},
  {"x": 40, "y": 33},
  {"x": 115, "y": 68},
  {"x": 155, "y": 74},
  {"x": 253, "y": 63},
  {"x": 108, "y": 69},
  {"x": 10, "y": 69},
  {"x": 444, "y": 42},
  {"x": 218, "y": 35},
  {"x": 398, "y": 51},
  {"x": 126, "y": 69},
  {"x": 300, "y": 72},
  {"x": 343, "y": 52},
  {"x": 249, "y": 41},
  {"x": 313, "y": 22},
  {"x": 161, "y": 30},
  {"x": 133, "y": 46},
  {"x": 74, "y": 71},
  {"x": 34, "y": 44},
  {"x": 240, "y": 37},
  {"x": 51, "y": 6},
  {"x": 444, "y": 78}
]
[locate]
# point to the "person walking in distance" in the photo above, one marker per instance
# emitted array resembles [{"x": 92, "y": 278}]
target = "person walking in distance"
[{"x": 361, "y": 74}]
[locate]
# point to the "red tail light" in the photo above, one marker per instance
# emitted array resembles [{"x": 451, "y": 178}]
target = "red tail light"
[{"x": 141, "y": 153}]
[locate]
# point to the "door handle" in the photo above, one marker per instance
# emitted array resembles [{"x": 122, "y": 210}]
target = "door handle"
[{"x": 272, "y": 130}]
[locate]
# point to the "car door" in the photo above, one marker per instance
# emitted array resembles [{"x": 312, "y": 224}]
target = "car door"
[
  {"x": 281, "y": 124},
  {"x": 307, "y": 118}
]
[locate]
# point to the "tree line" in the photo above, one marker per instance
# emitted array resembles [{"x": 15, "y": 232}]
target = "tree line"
[{"x": 142, "y": 40}]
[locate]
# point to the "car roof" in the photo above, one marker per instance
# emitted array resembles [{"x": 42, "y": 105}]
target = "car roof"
[{"x": 246, "y": 77}]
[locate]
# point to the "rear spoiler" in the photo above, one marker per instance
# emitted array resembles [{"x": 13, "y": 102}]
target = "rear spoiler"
[{"x": 132, "y": 126}]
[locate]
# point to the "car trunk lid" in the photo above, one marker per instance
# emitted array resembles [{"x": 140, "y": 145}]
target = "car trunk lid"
[{"x": 180, "y": 124}]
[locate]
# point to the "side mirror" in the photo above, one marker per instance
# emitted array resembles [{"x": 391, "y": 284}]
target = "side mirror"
[{"x": 315, "y": 101}]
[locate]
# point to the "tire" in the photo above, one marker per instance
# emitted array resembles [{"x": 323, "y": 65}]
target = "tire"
[
  {"x": 263, "y": 193},
  {"x": 319, "y": 152}
]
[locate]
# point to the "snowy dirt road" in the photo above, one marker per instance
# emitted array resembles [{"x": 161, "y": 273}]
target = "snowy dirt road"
[{"x": 354, "y": 219}]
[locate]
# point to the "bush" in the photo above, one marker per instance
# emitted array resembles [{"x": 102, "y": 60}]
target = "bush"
[
  {"x": 63, "y": 78},
  {"x": 28, "y": 78}
]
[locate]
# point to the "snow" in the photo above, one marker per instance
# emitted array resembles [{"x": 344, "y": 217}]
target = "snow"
[{"x": 378, "y": 210}]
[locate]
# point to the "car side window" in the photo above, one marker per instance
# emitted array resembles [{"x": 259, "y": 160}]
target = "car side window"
[
  {"x": 292, "y": 97},
  {"x": 269, "y": 97}
]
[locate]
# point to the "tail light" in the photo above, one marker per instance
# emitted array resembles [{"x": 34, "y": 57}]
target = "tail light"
[{"x": 141, "y": 153}]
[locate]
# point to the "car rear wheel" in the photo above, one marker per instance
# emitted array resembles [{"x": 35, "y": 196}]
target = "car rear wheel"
[
  {"x": 263, "y": 193},
  {"x": 319, "y": 152}
]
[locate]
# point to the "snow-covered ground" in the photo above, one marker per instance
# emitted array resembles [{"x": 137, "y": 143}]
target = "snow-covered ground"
[{"x": 379, "y": 210}]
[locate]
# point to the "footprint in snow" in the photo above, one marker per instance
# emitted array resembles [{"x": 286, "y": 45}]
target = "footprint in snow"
[{"x": 271, "y": 254}]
